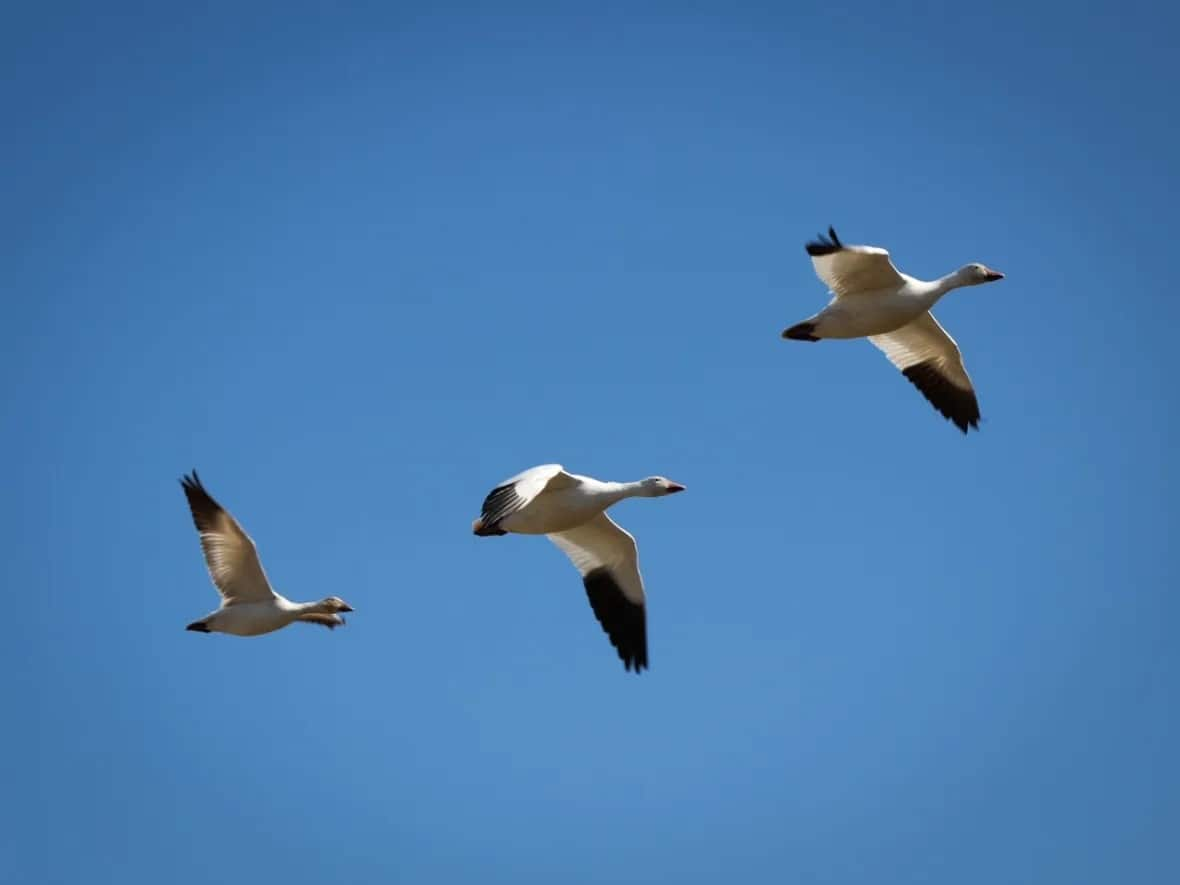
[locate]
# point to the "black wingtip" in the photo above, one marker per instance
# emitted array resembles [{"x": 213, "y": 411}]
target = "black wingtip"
[
  {"x": 194, "y": 489},
  {"x": 624, "y": 622},
  {"x": 636, "y": 665},
  {"x": 957, "y": 405},
  {"x": 202, "y": 506},
  {"x": 822, "y": 245},
  {"x": 966, "y": 424}
]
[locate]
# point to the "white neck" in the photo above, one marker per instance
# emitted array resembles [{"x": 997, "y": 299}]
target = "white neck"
[
  {"x": 617, "y": 491},
  {"x": 942, "y": 285}
]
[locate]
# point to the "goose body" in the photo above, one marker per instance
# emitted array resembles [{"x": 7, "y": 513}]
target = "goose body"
[
  {"x": 872, "y": 299},
  {"x": 256, "y": 618},
  {"x": 571, "y": 511},
  {"x": 249, "y": 606}
]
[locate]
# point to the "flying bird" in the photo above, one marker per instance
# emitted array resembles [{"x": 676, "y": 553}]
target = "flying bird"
[
  {"x": 249, "y": 607},
  {"x": 873, "y": 299},
  {"x": 571, "y": 511}
]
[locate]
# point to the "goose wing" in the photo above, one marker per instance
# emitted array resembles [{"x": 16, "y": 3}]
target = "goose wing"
[
  {"x": 931, "y": 360},
  {"x": 230, "y": 554},
  {"x": 852, "y": 270},
  {"x": 515, "y": 494},
  {"x": 608, "y": 560}
]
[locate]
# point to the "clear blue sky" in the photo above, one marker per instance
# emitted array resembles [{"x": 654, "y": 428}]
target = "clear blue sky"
[{"x": 357, "y": 263}]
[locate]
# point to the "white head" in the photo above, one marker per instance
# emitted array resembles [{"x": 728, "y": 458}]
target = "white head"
[
  {"x": 655, "y": 486},
  {"x": 974, "y": 274}
]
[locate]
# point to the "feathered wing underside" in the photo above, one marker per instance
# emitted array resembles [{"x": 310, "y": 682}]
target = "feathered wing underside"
[
  {"x": 608, "y": 560},
  {"x": 931, "y": 360},
  {"x": 515, "y": 494},
  {"x": 852, "y": 270},
  {"x": 230, "y": 554}
]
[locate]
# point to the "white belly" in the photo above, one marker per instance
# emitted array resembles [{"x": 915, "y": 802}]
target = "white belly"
[
  {"x": 249, "y": 619},
  {"x": 867, "y": 315}
]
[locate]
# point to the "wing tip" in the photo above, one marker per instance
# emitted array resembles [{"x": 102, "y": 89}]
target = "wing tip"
[
  {"x": 499, "y": 503},
  {"x": 959, "y": 406},
  {"x": 636, "y": 663},
  {"x": 824, "y": 245},
  {"x": 203, "y": 506},
  {"x": 970, "y": 423},
  {"x": 623, "y": 621}
]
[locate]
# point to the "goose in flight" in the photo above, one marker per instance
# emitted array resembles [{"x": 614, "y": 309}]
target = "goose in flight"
[
  {"x": 873, "y": 299},
  {"x": 571, "y": 511},
  {"x": 249, "y": 607}
]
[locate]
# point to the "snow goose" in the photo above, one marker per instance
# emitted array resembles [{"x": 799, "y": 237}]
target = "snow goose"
[
  {"x": 249, "y": 607},
  {"x": 571, "y": 511},
  {"x": 873, "y": 299}
]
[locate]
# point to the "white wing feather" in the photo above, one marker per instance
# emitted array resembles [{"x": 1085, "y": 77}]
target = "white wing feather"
[
  {"x": 603, "y": 543},
  {"x": 857, "y": 270},
  {"x": 230, "y": 554},
  {"x": 924, "y": 340}
]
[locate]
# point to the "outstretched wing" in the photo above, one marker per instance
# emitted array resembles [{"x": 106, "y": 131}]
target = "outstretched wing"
[
  {"x": 852, "y": 270},
  {"x": 931, "y": 360},
  {"x": 230, "y": 554},
  {"x": 608, "y": 560},
  {"x": 515, "y": 494}
]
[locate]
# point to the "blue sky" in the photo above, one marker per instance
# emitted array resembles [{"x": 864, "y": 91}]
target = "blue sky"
[{"x": 357, "y": 263}]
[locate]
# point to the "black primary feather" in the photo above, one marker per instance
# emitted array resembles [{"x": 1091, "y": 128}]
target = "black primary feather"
[
  {"x": 822, "y": 245},
  {"x": 624, "y": 622},
  {"x": 957, "y": 405}
]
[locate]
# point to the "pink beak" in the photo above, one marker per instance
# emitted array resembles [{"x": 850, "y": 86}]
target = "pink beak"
[
  {"x": 994, "y": 275},
  {"x": 675, "y": 487}
]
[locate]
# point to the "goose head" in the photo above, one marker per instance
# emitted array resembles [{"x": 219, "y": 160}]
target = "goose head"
[
  {"x": 656, "y": 486},
  {"x": 332, "y": 605},
  {"x": 973, "y": 274}
]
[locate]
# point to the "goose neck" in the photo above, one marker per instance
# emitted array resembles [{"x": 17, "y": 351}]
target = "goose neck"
[
  {"x": 944, "y": 284},
  {"x": 617, "y": 491}
]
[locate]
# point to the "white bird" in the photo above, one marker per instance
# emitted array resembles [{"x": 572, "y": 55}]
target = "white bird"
[
  {"x": 249, "y": 607},
  {"x": 571, "y": 511},
  {"x": 873, "y": 299}
]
